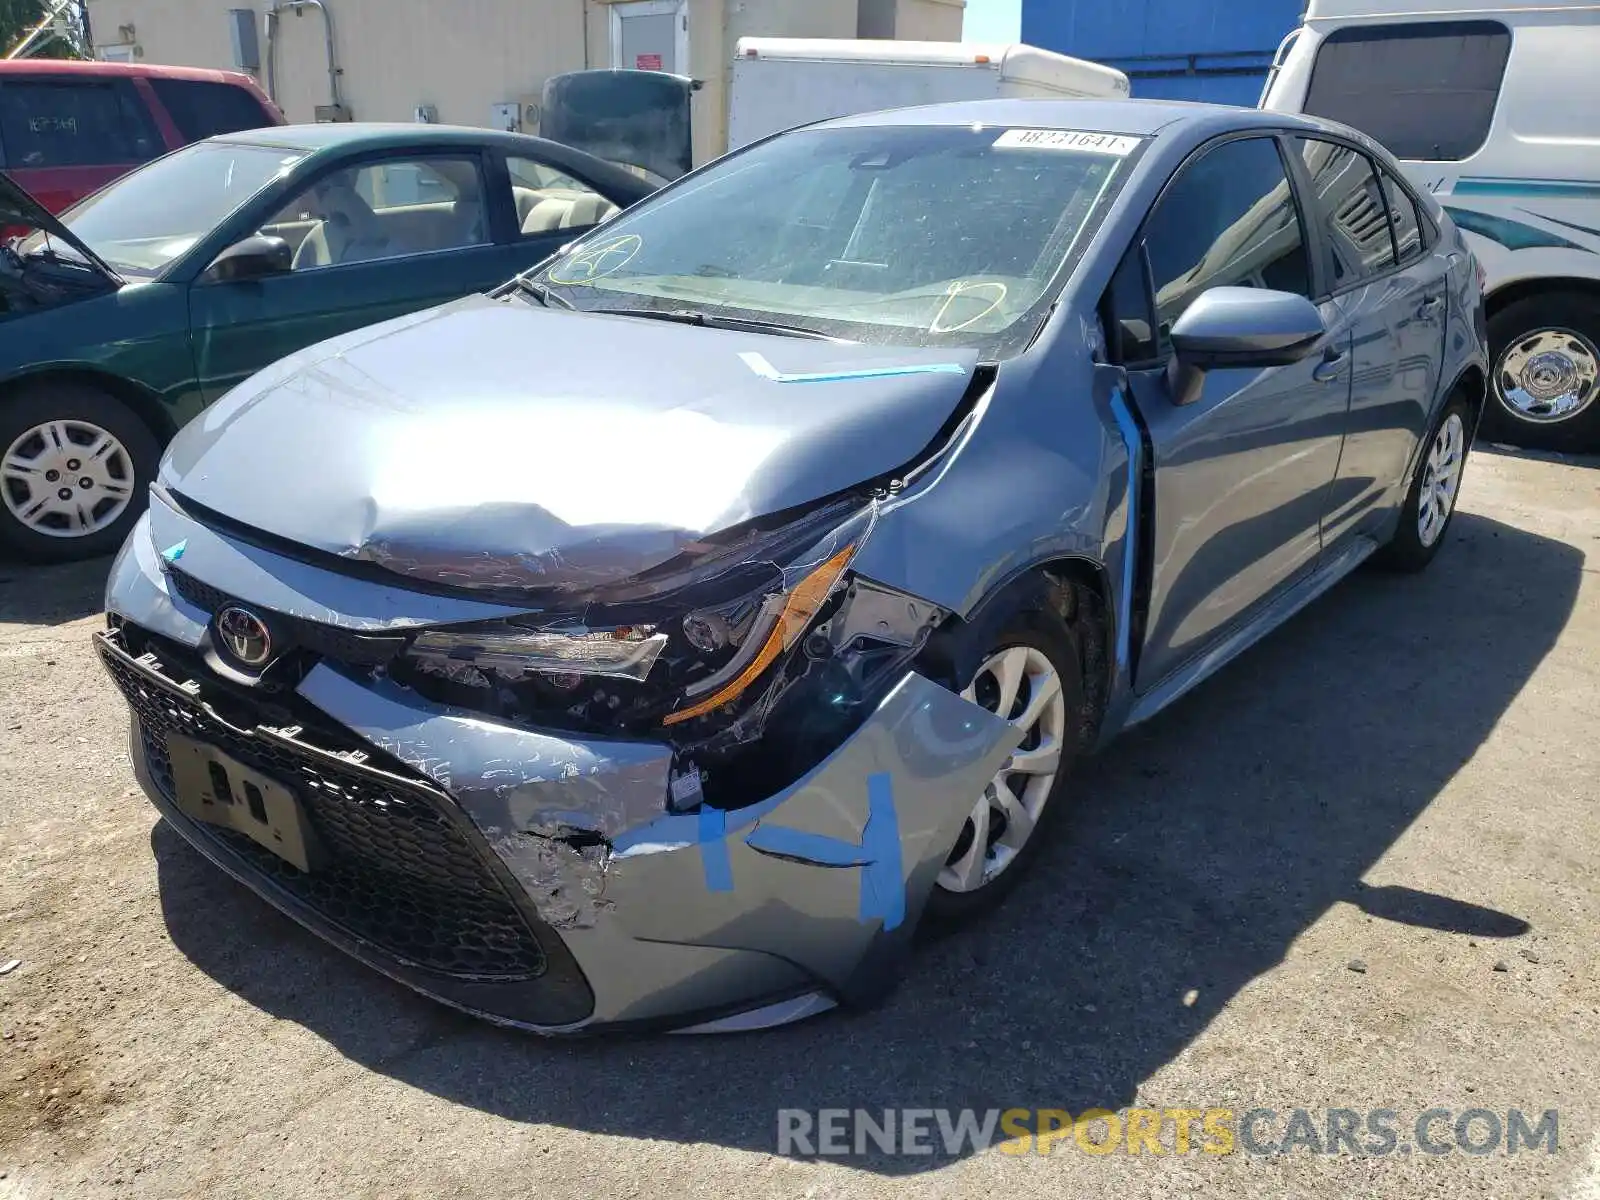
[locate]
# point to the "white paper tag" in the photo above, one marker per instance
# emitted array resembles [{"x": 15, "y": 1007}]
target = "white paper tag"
[
  {"x": 1067, "y": 139},
  {"x": 686, "y": 787}
]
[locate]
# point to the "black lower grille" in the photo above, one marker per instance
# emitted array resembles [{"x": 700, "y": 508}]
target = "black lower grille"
[{"x": 402, "y": 876}]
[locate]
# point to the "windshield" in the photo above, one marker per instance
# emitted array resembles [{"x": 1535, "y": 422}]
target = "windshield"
[
  {"x": 147, "y": 218},
  {"x": 907, "y": 235}
]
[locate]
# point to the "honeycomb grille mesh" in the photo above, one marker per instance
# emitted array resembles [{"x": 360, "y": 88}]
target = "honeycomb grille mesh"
[{"x": 401, "y": 875}]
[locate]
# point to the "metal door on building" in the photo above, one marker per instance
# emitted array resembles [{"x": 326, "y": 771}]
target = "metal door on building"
[{"x": 651, "y": 35}]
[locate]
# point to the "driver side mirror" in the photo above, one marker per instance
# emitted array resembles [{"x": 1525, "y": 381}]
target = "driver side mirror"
[
  {"x": 255, "y": 257},
  {"x": 1239, "y": 327}
]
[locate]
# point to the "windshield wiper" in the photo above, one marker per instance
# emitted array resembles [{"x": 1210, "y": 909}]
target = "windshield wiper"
[
  {"x": 693, "y": 316},
  {"x": 542, "y": 294}
]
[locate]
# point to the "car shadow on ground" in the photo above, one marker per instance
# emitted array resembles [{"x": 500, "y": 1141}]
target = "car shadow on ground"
[
  {"x": 51, "y": 595},
  {"x": 1202, "y": 846}
]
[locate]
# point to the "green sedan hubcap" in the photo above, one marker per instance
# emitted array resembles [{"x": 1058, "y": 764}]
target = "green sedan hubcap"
[{"x": 66, "y": 479}]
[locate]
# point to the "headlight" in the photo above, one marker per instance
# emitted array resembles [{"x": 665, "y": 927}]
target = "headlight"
[
  {"x": 619, "y": 653},
  {"x": 783, "y": 620}
]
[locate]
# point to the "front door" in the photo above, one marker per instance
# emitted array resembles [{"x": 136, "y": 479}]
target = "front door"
[
  {"x": 1242, "y": 473},
  {"x": 370, "y": 242}
]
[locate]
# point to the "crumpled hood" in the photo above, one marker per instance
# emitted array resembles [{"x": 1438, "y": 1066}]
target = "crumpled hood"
[
  {"x": 494, "y": 444},
  {"x": 19, "y": 210}
]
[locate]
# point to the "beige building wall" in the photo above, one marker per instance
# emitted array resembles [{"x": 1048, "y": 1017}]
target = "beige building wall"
[
  {"x": 463, "y": 57},
  {"x": 928, "y": 20}
]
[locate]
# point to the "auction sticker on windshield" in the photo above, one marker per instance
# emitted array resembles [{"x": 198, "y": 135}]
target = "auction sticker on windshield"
[{"x": 1067, "y": 139}]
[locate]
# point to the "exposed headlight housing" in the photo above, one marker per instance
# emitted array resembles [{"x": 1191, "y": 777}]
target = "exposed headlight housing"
[
  {"x": 783, "y": 620},
  {"x": 626, "y": 653}
]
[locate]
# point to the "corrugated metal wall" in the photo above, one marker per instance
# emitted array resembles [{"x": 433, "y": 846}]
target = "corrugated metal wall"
[{"x": 1215, "y": 50}]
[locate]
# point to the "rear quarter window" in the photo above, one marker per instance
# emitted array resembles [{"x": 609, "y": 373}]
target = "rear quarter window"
[
  {"x": 1426, "y": 90},
  {"x": 202, "y": 109},
  {"x": 48, "y": 123}
]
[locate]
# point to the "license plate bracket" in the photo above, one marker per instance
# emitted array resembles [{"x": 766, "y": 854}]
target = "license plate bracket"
[{"x": 218, "y": 789}]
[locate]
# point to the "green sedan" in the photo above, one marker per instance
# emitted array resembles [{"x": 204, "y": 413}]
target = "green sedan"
[{"x": 138, "y": 307}]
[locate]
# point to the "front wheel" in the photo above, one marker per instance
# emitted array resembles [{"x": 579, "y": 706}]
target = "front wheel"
[
  {"x": 1544, "y": 392},
  {"x": 1033, "y": 677},
  {"x": 75, "y": 465}
]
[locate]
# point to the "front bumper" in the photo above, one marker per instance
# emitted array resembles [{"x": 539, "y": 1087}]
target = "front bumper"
[{"x": 539, "y": 880}]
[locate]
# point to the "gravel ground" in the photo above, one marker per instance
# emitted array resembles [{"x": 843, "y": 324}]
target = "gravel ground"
[{"x": 1355, "y": 871}]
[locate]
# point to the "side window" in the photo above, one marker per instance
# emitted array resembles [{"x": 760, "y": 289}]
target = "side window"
[
  {"x": 384, "y": 210},
  {"x": 1409, "y": 239},
  {"x": 1228, "y": 220},
  {"x": 201, "y": 109},
  {"x": 548, "y": 199},
  {"x": 51, "y": 124},
  {"x": 1350, "y": 208},
  {"x": 1426, "y": 90}
]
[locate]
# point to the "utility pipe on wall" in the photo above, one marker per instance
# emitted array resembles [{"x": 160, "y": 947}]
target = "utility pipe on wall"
[{"x": 272, "y": 59}]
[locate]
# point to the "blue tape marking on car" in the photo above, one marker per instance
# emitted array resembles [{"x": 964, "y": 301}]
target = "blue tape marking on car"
[
  {"x": 759, "y": 364},
  {"x": 883, "y": 892},
  {"x": 883, "y": 888},
  {"x": 815, "y": 848},
  {"x": 173, "y": 553},
  {"x": 1130, "y": 557},
  {"x": 714, "y": 850}
]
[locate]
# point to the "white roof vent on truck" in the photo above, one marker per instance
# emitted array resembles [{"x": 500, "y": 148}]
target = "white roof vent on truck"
[
  {"x": 1016, "y": 63},
  {"x": 1344, "y": 10}
]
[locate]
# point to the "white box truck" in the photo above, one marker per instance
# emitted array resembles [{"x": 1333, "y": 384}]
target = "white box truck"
[
  {"x": 1495, "y": 108},
  {"x": 779, "y": 83}
]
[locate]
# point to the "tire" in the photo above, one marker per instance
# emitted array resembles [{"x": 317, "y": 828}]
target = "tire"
[
  {"x": 1042, "y": 638},
  {"x": 1416, "y": 541},
  {"x": 97, "y": 501},
  {"x": 1545, "y": 351}
]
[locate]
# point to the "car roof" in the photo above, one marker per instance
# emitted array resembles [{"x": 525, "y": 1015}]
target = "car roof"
[
  {"x": 370, "y": 135},
  {"x": 66, "y": 66},
  {"x": 1136, "y": 118}
]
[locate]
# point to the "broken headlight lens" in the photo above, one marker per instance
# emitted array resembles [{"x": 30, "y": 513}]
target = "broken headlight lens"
[
  {"x": 784, "y": 619},
  {"x": 626, "y": 653}
]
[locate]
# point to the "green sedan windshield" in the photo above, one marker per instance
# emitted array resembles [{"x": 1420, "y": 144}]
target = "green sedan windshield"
[
  {"x": 147, "y": 218},
  {"x": 916, "y": 235}
]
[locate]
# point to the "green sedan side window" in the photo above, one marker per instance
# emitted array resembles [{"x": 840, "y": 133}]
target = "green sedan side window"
[{"x": 389, "y": 209}]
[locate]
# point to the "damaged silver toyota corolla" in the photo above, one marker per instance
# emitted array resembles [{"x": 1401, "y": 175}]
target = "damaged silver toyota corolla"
[{"x": 656, "y": 641}]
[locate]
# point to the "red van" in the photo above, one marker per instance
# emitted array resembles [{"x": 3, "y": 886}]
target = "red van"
[{"x": 69, "y": 128}]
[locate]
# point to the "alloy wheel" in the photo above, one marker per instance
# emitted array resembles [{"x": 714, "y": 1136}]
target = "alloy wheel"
[
  {"x": 1020, "y": 684},
  {"x": 66, "y": 479},
  {"x": 1548, "y": 376},
  {"x": 1441, "y": 479}
]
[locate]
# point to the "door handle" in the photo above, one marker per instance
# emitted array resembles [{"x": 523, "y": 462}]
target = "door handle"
[
  {"x": 1331, "y": 367},
  {"x": 1429, "y": 306}
]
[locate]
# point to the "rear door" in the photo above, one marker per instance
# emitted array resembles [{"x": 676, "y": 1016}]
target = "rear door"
[
  {"x": 371, "y": 240},
  {"x": 1385, "y": 278},
  {"x": 62, "y": 138},
  {"x": 1242, "y": 474}
]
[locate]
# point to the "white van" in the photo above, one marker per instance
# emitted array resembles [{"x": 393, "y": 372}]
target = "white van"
[{"x": 1497, "y": 111}]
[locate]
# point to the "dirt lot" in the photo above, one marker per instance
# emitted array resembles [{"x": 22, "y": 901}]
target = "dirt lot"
[{"x": 1358, "y": 870}]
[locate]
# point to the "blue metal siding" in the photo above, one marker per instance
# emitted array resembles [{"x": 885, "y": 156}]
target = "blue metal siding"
[{"x": 1215, "y": 50}]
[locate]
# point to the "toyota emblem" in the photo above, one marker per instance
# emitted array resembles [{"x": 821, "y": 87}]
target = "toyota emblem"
[{"x": 245, "y": 636}]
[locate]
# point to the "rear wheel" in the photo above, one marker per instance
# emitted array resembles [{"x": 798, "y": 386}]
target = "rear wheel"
[
  {"x": 75, "y": 464},
  {"x": 1033, "y": 677},
  {"x": 1545, "y": 386},
  {"x": 1435, "y": 487}
]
